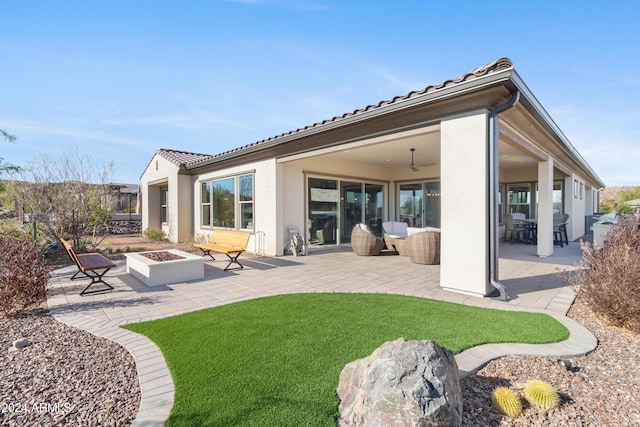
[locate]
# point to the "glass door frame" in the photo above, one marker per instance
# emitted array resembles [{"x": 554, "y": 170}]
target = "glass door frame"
[
  {"x": 340, "y": 237},
  {"x": 419, "y": 217}
]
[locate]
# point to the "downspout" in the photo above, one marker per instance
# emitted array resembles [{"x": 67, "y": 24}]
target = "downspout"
[{"x": 493, "y": 191}]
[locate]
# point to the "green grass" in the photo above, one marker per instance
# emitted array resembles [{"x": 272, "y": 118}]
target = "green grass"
[{"x": 276, "y": 361}]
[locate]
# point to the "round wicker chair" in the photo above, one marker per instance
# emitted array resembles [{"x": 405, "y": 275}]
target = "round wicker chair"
[
  {"x": 364, "y": 242},
  {"x": 423, "y": 247}
]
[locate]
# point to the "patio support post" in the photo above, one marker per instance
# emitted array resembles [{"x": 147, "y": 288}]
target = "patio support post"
[
  {"x": 545, "y": 208},
  {"x": 464, "y": 265}
]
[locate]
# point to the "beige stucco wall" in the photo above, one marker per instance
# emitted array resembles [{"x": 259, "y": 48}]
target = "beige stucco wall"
[
  {"x": 464, "y": 263},
  {"x": 294, "y": 185},
  {"x": 159, "y": 173},
  {"x": 576, "y": 206},
  {"x": 264, "y": 238}
]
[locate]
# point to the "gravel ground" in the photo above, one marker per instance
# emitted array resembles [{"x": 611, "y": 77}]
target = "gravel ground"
[
  {"x": 601, "y": 389},
  {"x": 66, "y": 377},
  {"x": 70, "y": 377}
]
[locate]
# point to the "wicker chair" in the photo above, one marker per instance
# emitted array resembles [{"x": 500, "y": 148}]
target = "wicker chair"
[
  {"x": 364, "y": 242},
  {"x": 393, "y": 230},
  {"x": 423, "y": 247}
]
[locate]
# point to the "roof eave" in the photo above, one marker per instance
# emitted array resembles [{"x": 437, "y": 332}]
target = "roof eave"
[
  {"x": 444, "y": 93},
  {"x": 541, "y": 114}
]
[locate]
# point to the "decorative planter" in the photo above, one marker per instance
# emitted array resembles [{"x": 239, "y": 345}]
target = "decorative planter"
[{"x": 156, "y": 273}]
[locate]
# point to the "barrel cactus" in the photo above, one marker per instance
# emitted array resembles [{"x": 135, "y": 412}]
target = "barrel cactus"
[
  {"x": 507, "y": 402},
  {"x": 541, "y": 395}
]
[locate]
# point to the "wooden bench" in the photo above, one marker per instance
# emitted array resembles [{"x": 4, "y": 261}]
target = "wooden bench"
[
  {"x": 93, "y": 266},
  {"x": 229, "y": 242}
]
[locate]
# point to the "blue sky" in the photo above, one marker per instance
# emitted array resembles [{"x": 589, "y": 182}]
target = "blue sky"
[{"x": 121, "y": 79}]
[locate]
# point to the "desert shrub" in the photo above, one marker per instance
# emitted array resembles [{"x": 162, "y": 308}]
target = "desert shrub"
[
  {"x": 11, "y": 226},
  {"x": 153, "y": 233},
  {"x": 23, "y": 274},
  {"x": 609, "y": 277}
]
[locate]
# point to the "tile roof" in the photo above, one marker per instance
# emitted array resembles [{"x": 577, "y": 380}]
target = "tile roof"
[
  {"x": 182, "y": 157},
  {"x": 490, "y": 68}
]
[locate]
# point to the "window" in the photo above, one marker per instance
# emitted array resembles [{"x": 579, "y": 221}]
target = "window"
[
  {"x": 519, "y": 199},
  {"x": 163, "y": 204},
  {"x": 246, "y": 201},
  {"x": 224, "y": 203},
  {"x": 205, "y": 203},
  {"x": 557, "y": 198},
  {"x": 419, "y": 204},
  {"x": 558, "y": 208},
  {"x": 220, "y": 207}
]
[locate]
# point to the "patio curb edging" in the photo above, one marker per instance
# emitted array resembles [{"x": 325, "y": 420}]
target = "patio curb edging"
[
  {"x": 580, "y": 342},
  {"x": 156, "y": 385}
]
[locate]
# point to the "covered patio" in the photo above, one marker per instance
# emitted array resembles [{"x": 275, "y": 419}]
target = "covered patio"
[{"x": 456, "y": 156}]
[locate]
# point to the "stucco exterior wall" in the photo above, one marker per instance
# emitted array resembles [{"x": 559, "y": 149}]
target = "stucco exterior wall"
[
  {"x": 159, "y": 173},
  {"x": 464, "y": 263},
  {"x": 576, "y": 205},
  {"x": 264, "y": 238}
]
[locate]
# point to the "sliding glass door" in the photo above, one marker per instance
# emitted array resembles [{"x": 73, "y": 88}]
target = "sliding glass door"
[
  {"x": 324, "y": 200},
  {"x": 374, "y": 205},
  {"x": 419, "y": 204},
  {"x": 336, "y": 206},
  {"x": 351, "y": 208}
]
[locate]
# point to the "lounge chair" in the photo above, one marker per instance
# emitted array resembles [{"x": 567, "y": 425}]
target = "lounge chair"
[
  {"x": 92, "y": 265},
  {"x": 364, "y": 242},
  {"x": 423, "y": 247}
]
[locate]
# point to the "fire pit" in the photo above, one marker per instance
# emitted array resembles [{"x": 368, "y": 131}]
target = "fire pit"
[{"x": 165, "y": 267}]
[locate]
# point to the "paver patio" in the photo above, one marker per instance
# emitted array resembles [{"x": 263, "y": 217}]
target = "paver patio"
[{"x": 533, "y": 284}]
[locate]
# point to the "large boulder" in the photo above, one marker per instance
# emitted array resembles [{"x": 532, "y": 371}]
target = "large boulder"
[{"x": 402, "y": 383}]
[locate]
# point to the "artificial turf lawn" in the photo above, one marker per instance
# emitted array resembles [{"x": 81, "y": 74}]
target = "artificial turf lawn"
[{"x": 276, "y": 361}]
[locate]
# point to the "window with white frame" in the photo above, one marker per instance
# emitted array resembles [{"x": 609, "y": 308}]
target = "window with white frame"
[
  {"x": 205, "y": 203},
  {"x": 245, "y": 190},
  {"x": 227, "y": 202},
  {"x": 163, "y": 204}
]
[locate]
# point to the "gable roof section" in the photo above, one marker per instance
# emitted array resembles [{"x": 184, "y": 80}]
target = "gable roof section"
[
  {"x": 180, "y": 158},
  {"x": 501, "y": 64}
]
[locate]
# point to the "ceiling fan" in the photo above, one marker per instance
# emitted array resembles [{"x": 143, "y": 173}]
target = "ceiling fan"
[{"x": 412, "y": 165}]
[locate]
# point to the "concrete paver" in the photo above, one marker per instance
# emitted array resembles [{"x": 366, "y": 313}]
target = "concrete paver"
[{"x": 533, "y": 284}]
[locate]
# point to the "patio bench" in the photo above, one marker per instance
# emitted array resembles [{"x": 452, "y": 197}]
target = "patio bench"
[
  {"x": 92, "y": 265},
  {"x": 229, "y": 242}
]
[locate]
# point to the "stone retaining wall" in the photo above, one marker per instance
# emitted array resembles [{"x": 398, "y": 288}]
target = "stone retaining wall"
[{"x": 120, "y": 227}]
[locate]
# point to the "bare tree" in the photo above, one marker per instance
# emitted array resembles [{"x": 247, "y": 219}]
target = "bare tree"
[
  {"x": 67, "y": 195},
  {"x": 6, "y": 167}
]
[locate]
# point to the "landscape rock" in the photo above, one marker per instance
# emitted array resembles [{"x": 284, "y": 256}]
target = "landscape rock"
[
  {"x": 402, "y": 383},
  {"x": 21, "y": 343}
]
